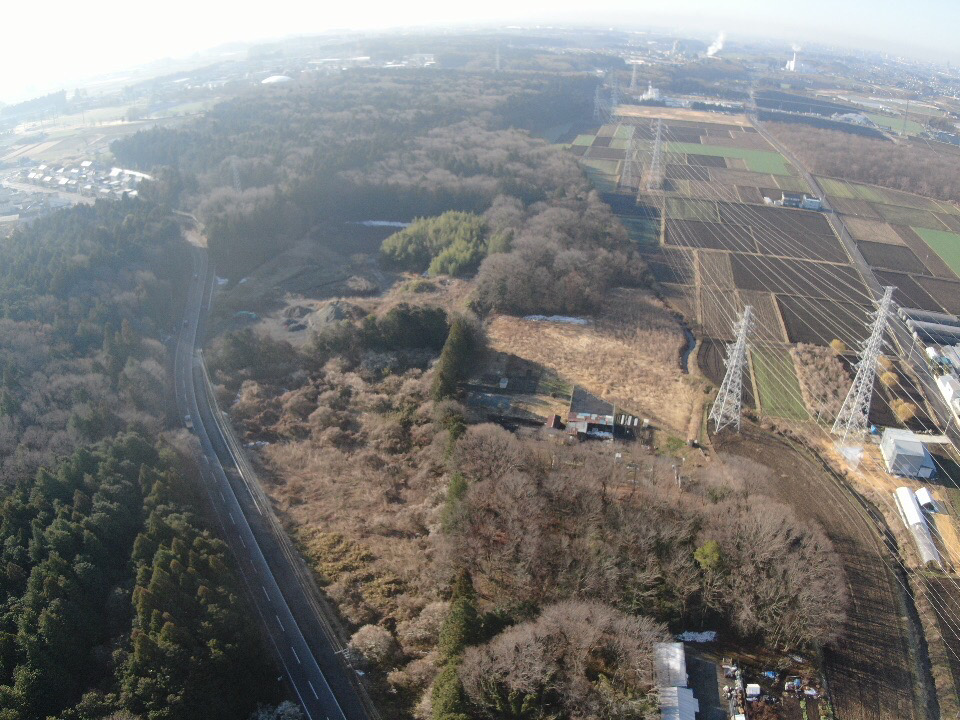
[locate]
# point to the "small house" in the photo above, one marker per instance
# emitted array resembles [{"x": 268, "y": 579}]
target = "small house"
[
  {"x": 905, "y": 454},
  {"x": 791, "y": 199}
]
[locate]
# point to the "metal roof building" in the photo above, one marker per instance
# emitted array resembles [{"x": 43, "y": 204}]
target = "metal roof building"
[
  {"x": 677, "y": 701},
  {"x": 916, "y": 522},
  {"x": 905, "y": 454}
]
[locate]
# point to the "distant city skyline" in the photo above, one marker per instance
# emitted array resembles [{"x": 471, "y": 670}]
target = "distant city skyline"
[{"x": 74, "y": 42}]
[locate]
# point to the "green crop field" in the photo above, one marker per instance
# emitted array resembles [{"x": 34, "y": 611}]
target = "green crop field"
[
  {"x": 624, "y": 132},
  {"x": 762, "y": 161},
  {"x": 792, "y": 183},
  {"x": 837, "y": 188},
  {"x": 778, "y": 389},
  {"x": 584, "y": 140},
  {"x": 865, "y": 192},
  {"x": 896, "y": 123},
  {"x": 899, "y": 215},
  {"x": 945, "y": 244}
]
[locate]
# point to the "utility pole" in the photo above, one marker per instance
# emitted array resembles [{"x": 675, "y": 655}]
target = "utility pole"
[
  {"x": 728, "y": 406},
  {"x": 851, "y": 422}
]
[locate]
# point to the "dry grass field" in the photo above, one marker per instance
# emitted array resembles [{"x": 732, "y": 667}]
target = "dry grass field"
[{"x": 629, "y": 354}]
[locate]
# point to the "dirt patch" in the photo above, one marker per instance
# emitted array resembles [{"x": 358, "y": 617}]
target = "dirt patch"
[
  {"x": 809, "y": 320},
  {"x": 629, "y": 355},
  {"x": 709, "y": 235},
  {"x": 798, "y": 277},
  {"x": 872, "y": 231},
  {"x": 945, "y": 292},
  {"x": 892, "y": 257},
  {"x": 908, "y": 293},
  {"x": 715, "y": 270}
]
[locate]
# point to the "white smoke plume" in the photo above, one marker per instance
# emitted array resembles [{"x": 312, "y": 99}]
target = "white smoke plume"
[
  {"x": 717, "y": 45},
  {"x": 796, "y": 48}
]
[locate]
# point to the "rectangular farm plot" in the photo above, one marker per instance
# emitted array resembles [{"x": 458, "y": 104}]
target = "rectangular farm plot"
[
  {"x": 673, "y": 266},
  {"x": 586, "y": 140},
  {"x": 945, "y": 244},
  {"x": 708, "y": 236},
  {"x": 945, "y": 292},
  {"x": 600, "y": 141},
  {"x": 798, "y": 277},
  {"x": 849, "y": 207},
  {"x": 686, "y": 209},
  {"x": 597, "y": 152},
  {"x": 749, "y": 194},
  {"x": 837, "y": 188},
  {"x": 908, "y": 293},
  {"x": 892, "y": 257},
  {"x": 951, "y": 221},
  {"x": 899, "y": 215},
  {"x": 624, "y": 132},
  {"x": 797, "y": 244},
  {"x": 742, "y": 140},
  {"x": 792, "y": 183},
  {"x": 766, "y": 316},
  {"x": 934, "y": 263},
  {"x": 718, "y": 311},
  {"x": 778, "y": 389},
  {"x": 905, "y": 199},
  {"x": 741, "y": 177},
  {"x": 715, "y": 270},
  {"x": 686, "y": 172},
  {"x": 706, "y": 161},
  {"x": 818, "y": 322},
  {"x": 763, "y": 161},
  {"x": 872, "y": 231}
]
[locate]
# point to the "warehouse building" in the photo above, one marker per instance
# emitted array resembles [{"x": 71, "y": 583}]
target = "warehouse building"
[{"x": 905, "y": 454}]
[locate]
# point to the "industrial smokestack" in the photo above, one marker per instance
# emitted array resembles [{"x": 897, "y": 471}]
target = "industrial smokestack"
[{"x": 717, "y": 45}]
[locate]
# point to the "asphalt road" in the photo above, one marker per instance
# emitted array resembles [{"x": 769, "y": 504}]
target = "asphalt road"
[
  {"x": 294, "y": 655},
  {"x": 902, "y": 338}
]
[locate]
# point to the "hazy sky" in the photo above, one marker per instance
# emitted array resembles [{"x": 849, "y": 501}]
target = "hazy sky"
[{"x": 53, "y": 44}]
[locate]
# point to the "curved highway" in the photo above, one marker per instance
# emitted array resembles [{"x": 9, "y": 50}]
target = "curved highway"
[{"x": 324, "y": 694}]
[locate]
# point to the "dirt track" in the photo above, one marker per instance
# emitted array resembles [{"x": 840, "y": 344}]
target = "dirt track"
[{"x": 871, "y": 670}]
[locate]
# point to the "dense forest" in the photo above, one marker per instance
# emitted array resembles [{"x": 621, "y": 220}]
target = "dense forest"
[
  {"x": 87, "y": 296},
  {"x": 910, "y": 167},
  {"x": 399, "y": 147},
  {"x": 116, "y": 597}
]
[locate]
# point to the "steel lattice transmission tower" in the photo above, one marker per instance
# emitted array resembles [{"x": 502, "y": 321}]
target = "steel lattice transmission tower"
[
  {"x": 851, "y": 422},
  {"x": 631, "y": 163},
  {"x": 729, "y": 404},
  {"x": 598, "y": 104},
  {"x": 654, "y": 179}
]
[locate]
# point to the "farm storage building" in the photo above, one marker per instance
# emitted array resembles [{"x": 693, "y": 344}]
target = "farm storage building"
[
  {"x": 929, "y": 316},
  {"x": 905, "y": 454},
  {"x": 676, "y": 699},
  {"x": 950, "y": 389},
  {"x": 916, "y": 522},
  {"x": 935, "y": 332}
]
